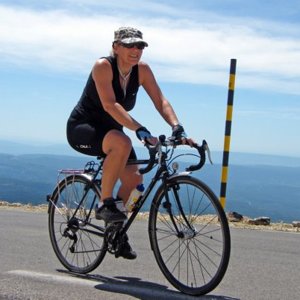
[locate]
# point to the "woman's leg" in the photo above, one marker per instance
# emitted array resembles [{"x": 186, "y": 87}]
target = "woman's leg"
[
  {"x": 117, "y": 146},
  {"x": 129, "y": 180}
]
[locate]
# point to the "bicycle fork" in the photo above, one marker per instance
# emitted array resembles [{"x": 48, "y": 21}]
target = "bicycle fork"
[{"x": 189, "y": 231}]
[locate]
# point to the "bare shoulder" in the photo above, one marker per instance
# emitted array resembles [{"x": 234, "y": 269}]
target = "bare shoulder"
[
  {"x": 144, "y": 67},
  {"x": 145, "y": 72},
  {"x": 101, "y": 69}
]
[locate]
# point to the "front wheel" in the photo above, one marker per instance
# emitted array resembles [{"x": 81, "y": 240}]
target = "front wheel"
[
  {"x": 189, "y": 235},
  {"x": 76, "y": 236}
]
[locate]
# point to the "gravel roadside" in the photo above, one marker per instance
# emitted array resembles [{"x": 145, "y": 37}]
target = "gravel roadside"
[{"x": 244, "y": 223}]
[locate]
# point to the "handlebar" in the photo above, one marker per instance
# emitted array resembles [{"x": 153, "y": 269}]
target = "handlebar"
[
  {"x": 202, "y": 152},
  {"x": 152, "y": 153},
  {"x": 173, "y": 143}
]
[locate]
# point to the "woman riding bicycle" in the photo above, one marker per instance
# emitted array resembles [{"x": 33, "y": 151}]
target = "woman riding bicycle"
[{"x": 95, "y": 126}]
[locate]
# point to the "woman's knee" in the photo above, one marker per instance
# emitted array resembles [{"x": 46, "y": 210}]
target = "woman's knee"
[{"x": 117, "y": 140}]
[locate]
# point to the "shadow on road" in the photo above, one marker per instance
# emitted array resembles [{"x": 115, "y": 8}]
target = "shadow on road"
[{"x": 138, "y": 288}]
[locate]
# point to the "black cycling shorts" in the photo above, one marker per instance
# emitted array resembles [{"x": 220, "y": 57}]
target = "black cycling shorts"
[{"x": 87, "y": 138}]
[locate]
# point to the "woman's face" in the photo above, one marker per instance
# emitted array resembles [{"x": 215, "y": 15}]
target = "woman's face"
[{"x": 129, "y": 53}]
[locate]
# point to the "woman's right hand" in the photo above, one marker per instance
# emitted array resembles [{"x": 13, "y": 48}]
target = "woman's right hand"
[{"x": 144, "y": 135}]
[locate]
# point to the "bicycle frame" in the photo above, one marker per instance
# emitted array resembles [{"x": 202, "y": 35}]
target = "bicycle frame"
[
  {"x": 138, "y": 206},
  {"x": 162, "y": 173}
]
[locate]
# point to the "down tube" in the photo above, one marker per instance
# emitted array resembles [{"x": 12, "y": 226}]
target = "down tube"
[{"x": 140, "y": 203}]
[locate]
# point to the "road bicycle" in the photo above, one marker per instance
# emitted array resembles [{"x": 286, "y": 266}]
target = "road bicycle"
[{"x": 188, "y": 228}]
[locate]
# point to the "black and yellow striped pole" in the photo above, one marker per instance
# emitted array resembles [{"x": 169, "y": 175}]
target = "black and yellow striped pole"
[{"x": 227, "y": 132}]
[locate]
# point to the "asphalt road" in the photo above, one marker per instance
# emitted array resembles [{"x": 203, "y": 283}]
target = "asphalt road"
[{"x": 263, "y": 265}]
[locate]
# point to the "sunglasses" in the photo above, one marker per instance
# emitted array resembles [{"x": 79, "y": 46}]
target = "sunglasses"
[{"x": 139, "y": 46}]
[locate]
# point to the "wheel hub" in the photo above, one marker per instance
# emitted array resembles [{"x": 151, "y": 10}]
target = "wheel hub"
[{"x": 187, "y": 233}]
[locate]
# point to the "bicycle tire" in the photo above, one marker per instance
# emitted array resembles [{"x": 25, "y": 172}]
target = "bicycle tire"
[
  {"x": 88, "y": 251},
  {"x": 195, "y": 259}
]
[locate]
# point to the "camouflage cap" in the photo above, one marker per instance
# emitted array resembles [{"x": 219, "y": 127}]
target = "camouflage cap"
[{"x": 129, "y": 35}]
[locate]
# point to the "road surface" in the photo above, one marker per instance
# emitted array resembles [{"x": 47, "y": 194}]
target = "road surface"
[{"x": 263, "y": 265}]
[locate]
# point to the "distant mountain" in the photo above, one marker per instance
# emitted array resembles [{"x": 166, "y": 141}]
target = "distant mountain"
[
  {"x": 235, "y": 158},
  {"x": 18, "y": 148},
  {"x": 253, "y": 190},
  {"x": 28, "y": 178}
]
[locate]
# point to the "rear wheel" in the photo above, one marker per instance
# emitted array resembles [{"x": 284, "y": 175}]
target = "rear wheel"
[
  {"x": 76, "y": 236},
  {"x": 189, "y": 235}
]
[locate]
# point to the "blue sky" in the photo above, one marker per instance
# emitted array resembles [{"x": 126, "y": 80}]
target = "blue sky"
[{"x": 48, "y": 48}]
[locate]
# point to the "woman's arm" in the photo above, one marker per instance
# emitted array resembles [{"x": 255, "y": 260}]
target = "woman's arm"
[
  {"x": 147, "y": 80},
  {"x": 103, "y": 75}
]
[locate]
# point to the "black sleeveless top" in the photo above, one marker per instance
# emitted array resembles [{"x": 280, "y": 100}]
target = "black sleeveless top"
[{"x": 89, "y": 108}]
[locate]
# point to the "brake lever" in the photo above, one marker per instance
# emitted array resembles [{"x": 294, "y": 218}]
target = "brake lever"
[{"x": 206, "y": 148}]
